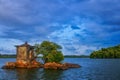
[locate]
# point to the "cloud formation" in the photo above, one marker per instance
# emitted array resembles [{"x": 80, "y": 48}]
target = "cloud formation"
[
  {"x": 80, "y": 26},
  {"x": 7, "y": 45}
]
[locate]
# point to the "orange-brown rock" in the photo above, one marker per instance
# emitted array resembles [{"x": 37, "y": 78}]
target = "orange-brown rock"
[
  {"x": 9, "y": 65},
  {"x": 70, "y": 65},
  {"x": 12, "y": 65},
  {"x": 53, "y": 65},
  {"x": 35, "y": 64}
]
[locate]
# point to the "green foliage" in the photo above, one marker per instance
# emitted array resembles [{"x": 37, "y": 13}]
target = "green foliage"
[
  {"x": 7, "y": 56},
  {"x": 76, "y": 56},
  {"x": 111, "y": 52},
  {"x": 55, "y": 57},
  {"x": 51, "y": 51}
]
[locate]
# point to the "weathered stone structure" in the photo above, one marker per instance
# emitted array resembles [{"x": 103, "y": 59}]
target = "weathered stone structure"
[
  {"x": 25, "y": 53},
  {"x": 25, "y": 58}
]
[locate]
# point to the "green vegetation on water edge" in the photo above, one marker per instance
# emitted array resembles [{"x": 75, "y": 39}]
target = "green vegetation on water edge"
[
  {"x": 66, "y": 56},
  {"x": 76, "y": 56},
  {"x": 110, "y": 52},
  {"x": 7, "y": 56}
]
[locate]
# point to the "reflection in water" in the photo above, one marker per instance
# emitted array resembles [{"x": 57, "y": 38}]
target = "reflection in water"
[
  {"x": 52, "y": 74},
  {"x": 31, "y": 74},
  {"x": 26, "y": 74},
  {"x": 9, "y": 74},
  {"x": 38, "y": 74}
]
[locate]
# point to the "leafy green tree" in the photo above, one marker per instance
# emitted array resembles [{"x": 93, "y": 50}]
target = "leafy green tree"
[{"x": 51, "y": 51}]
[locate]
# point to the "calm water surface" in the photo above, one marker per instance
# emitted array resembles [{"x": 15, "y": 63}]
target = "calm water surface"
[{"x": 92, "y": 69}]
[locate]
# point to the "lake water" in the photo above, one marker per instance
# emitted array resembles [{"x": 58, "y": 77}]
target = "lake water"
[{"x": 92, "y": 69}]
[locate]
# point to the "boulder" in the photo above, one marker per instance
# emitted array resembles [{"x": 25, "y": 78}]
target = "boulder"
[
  {"x": 13, "y": 65},
  {"x": 35, "y": 64},
  {"x": 53, "y": 65},
  {"x": 9, "y": 65}
]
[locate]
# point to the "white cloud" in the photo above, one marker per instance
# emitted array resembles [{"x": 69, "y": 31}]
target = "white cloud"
[
  {"x": 78, "y": 49},
  {"x": 70, "y": 42},
  {"x": 66, "y": 32},
  {"x": 4, "y": 29},
  {"x": 83, "y": 49},
  {"x": 8, "y": 45}
]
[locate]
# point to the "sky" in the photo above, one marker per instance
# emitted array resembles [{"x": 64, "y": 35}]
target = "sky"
[{"x": 79, "y": 26}]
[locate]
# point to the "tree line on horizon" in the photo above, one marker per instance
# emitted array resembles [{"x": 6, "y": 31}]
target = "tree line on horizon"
[
  {"x": 110, "y": 52},
  {"x": 7, "y": 55}
]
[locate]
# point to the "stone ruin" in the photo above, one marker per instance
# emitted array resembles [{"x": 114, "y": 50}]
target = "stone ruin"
[
  {"x": 25, "y": 53},
  {"x": 25, "y": 58}
]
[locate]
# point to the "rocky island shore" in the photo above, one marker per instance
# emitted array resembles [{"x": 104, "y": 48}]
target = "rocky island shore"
[
  {"x": 35, "y": 64},
  {"x": 26, "y": 57}
]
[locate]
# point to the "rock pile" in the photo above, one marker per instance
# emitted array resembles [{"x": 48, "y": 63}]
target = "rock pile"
[
  {"x": 53, "y": 65},
  {"x": 13, "y": 65},
  {"x": 35, "y": 64}
]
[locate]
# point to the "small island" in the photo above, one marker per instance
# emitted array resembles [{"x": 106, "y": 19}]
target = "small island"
[
  {"x": 110, "y": 52},
  {"x": 27, "y": 55}
]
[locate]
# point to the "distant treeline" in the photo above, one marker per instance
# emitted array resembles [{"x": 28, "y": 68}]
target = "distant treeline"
[
  {"x": 66, "y": 56},
  {"x": 7, "y": 56},
  {"x": 110, "y": 52},
  {"x": 76, "y": 56}
]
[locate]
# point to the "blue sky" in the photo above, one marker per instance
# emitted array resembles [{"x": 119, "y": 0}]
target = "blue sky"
[{"x": 79, "y": 26}]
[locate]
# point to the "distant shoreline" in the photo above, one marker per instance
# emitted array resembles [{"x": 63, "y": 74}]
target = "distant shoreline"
[
  {"x": 66, "y": 56},
  {"x": 7, "y": 56},
  {"x": 77, "y": 56}
]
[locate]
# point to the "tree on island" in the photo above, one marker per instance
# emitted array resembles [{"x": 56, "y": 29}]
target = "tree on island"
[
  {"x": 111, "y": 52},
  {"x": 51, "y": 52}
]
